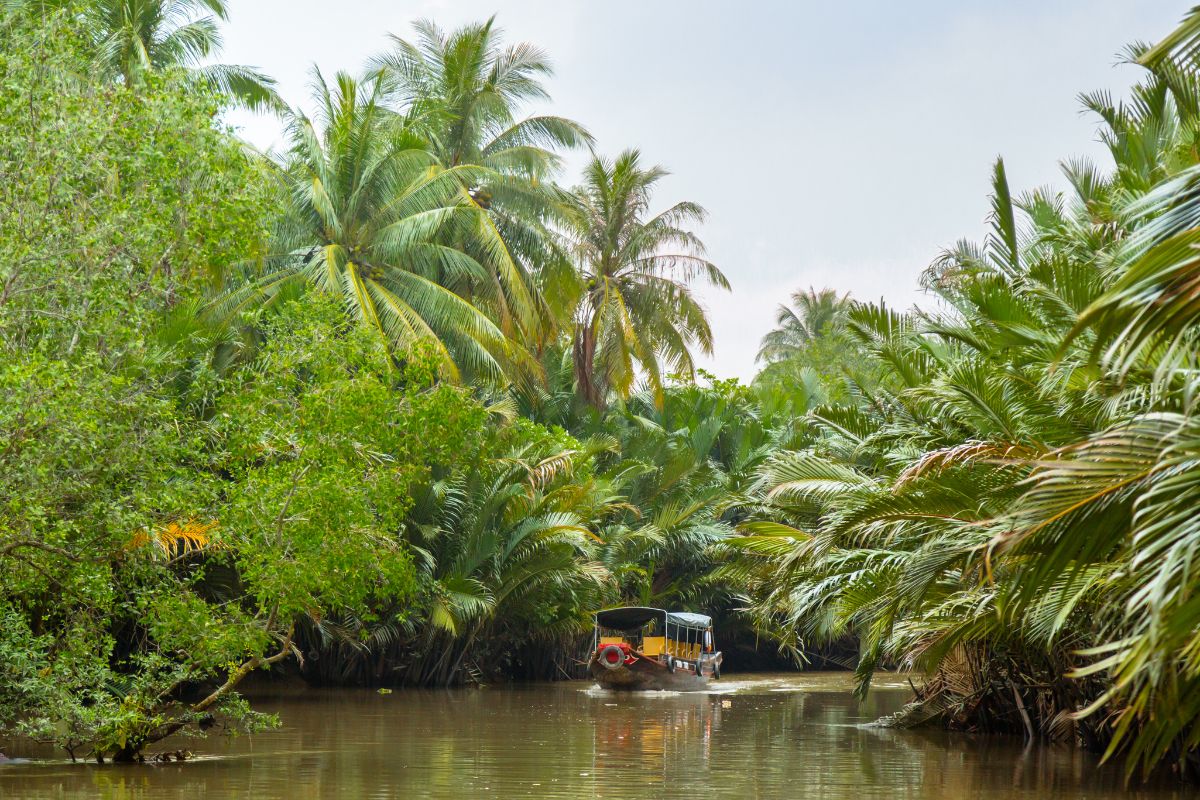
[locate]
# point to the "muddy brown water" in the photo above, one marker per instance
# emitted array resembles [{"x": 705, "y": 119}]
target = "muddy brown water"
[{"x": 762, "y": 736}]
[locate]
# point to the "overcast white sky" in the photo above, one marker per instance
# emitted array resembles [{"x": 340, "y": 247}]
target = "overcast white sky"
[{"x": 833, "y": 144}]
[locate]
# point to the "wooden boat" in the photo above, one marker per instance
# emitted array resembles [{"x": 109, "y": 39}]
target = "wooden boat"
[{"x": 651, "y": 648}]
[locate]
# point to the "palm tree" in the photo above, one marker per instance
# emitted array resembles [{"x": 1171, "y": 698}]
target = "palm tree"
[
  {"x": 1181, "y": 45},
  {"x": 466, "y": 88},
  {"x": 135, "y": 38},
  {"x": 507, "y": 559},
  {"x": 465, "y": 91},
  {"x": 637, "y": 309},
  {"x": 812, "y": 315},
  {"x": 369, "y": 212},
  {"x": 1011, "y": 507},
  {"x": 679, "y": 462}
]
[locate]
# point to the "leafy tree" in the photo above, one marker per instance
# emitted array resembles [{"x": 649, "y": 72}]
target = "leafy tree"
[
  {"x": 144, "y": 553},
  {"x": 73, "y": 582},
  {"x": 133, "y": 39},
  {"x": 323, "y": 452},
  {"x": 128, "y": 204}
]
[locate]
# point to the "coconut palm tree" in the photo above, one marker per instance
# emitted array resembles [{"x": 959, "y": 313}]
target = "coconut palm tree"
[
  {"x": 466, "y": 89},
  {"x": 811, "y": 316},
  {"x": 369, "y": 212},
  {"x": 637, "y": 310},
  {"x": 135, "y": 38}
]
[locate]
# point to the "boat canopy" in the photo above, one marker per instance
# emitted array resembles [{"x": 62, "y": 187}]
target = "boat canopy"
[
  {"x": 686, "y": 619},
  {"x": 630, "y": 617}
]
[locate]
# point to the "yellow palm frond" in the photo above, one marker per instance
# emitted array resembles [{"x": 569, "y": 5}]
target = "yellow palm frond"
[{"x": 177, "y": 537}]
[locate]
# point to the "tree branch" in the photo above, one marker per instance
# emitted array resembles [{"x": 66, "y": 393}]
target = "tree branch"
[
  {"x": 8, "y": 547},
  {"x": 245, "y": 669}
]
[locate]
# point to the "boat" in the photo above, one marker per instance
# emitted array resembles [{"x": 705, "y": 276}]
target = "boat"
[{"x": 639, "y": 648}]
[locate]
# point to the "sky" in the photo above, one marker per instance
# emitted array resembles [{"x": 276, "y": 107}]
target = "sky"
[{"x": 839, "y": 145}]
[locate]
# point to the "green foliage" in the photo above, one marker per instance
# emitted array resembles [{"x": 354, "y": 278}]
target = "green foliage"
[
  {"x": 464, "y": 91},
  {"x": 636, "y": 310},
  {"x": 465, "y": 88},
  {"x": 213, "y": 469},
  {"x": 812, "y": 359},
  {"x": 99, "y": 225},
  {"x": 93, "y": 451},
  {"x": 257, "y": 412},
  {"x": 131, "y": 40},
  {"x": 324, "y": 441},
  {"x": 1005, "y": 501},
  {"x": 122, "y": 598},
  {"x": 373, "y": 218},
  {"x": 92, "y": 457}
]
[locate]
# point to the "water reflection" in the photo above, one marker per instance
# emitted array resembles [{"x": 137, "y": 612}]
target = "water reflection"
[{"x": 773, "y": 736}]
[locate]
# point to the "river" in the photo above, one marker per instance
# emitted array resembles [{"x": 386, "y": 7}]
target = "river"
[{"x": 761, "y": 736}]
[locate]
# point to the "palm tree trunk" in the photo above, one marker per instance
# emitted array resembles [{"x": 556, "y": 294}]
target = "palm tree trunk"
[
  {"x": 462, "y": 653},
  {"x": 584, "y": 352}
]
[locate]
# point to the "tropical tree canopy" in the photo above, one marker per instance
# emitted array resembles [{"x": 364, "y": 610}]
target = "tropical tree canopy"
[
  {"x": 373, "y": 218},
  {"x": 465, "y": 92},
  {"x": 466, "y": 88},
  {"x": 811, "y": 316},
  {"x": 392, "y": 407},
  {"x": 132, "y": 39},
  {"x": 637, "y": 310}
]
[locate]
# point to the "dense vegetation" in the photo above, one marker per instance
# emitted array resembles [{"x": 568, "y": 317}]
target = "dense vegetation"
[
  {"x": 322, "y": 410},
  {"x": 1006, "y": 501},
  {"x": 401, "y": 406}
]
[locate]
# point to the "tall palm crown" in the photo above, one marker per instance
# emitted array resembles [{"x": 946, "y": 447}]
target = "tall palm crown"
[
  {"x": 637, "y": 309},
  {"x": 465, "y": 90},
  {"x": 370, "y": 210},
  {"x": 812, "y": 315},
  {"x": 134, "y": 38}
]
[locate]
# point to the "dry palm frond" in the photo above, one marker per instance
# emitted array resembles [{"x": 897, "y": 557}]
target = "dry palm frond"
[{"x": 177, "y": 538}]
